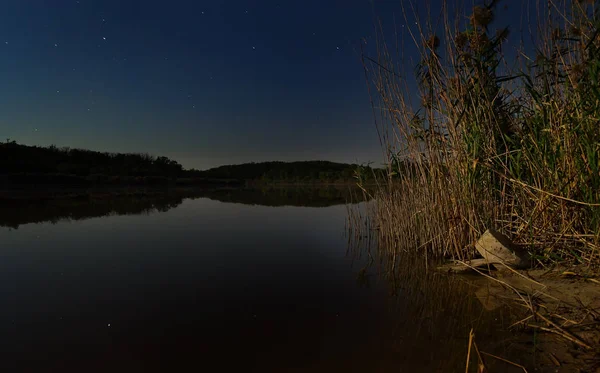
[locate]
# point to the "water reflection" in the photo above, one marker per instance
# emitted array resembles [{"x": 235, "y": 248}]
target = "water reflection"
[
  {"x": 208, "y": 285},
  {"x": 205, "y": 285},
  {"x": 18, "y": 211},
  {"x": 14, "y": 213},
  {"x": 288, "y": 196},
  {"x": 438, "y": 310}
]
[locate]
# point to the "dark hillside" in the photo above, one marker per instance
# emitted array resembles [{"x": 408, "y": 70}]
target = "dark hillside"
[{"x": 23, "y": 166}]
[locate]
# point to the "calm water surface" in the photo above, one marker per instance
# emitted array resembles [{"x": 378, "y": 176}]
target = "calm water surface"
[{"x": 211, "y": 286}]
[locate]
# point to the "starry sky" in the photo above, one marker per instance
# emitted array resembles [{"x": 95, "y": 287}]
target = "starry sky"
[{"x": 203, "y": 82}]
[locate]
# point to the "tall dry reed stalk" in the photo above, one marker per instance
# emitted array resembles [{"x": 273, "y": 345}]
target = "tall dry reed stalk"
[{"x": 492, "y": 138}]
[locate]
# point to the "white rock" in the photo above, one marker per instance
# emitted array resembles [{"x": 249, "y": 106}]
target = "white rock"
[{"x": 497, "y": 248}]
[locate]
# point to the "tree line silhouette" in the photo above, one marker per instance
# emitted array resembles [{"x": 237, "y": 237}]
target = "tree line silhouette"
[
  {"x": 23, "y": 165},
  {"x": 291, "y": 172}
]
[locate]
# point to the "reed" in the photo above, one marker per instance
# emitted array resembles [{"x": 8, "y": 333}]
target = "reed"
[{"x": 492, "y": 137}]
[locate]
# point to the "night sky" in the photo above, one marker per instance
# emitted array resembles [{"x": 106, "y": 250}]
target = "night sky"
[{"x": 204, "y": 82}]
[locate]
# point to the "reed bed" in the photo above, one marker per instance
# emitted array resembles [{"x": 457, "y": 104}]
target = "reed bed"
[{"x": 495, "y": 134}]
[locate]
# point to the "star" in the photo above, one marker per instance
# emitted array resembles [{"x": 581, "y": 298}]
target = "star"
[
  {"x": 55, "y": 45},
  {"x": 103, "y": 38}
]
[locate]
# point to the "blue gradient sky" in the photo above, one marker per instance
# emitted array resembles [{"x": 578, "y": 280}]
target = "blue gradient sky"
[{"x": 204, "y": 82}]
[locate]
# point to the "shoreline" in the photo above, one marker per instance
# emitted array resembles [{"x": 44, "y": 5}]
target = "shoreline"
[
  {"x": 560, "y": 307},
  {"x": 48, "y": 192}
]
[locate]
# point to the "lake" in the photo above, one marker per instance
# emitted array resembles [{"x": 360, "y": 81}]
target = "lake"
[{"x": 173, "y": 283}]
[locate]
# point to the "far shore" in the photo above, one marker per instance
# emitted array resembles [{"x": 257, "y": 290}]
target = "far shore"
[{"x": 96, "y": 192}]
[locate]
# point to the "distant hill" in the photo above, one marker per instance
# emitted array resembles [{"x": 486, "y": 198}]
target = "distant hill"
[
  {"x": 292, "y": 172},
  {"x": 23, "y": 165}
]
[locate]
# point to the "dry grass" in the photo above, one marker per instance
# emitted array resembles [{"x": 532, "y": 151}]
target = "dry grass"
[
  {"x": 491, "y": 138},
  {"x": 492, "y": 141}
]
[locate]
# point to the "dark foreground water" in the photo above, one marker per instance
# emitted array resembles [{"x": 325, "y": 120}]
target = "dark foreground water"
[{"x": 202, "y": 285}]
